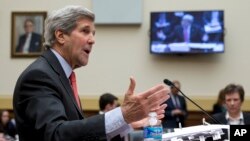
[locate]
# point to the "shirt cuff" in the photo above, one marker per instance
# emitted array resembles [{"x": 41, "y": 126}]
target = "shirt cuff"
[{"x": 115, "y": 124}]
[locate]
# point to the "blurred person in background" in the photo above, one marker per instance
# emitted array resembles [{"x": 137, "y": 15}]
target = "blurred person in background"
[
  {"x": 6, "y": 125},
  {"x": 107, "y": 102},
  {"x": 176, "y": 112},
  {"x": 234, "y": 98},
  {"x": 219, "y": 106}
]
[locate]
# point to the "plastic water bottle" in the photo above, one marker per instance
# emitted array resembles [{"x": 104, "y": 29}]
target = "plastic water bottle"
[{"x": 153, "y": 131}]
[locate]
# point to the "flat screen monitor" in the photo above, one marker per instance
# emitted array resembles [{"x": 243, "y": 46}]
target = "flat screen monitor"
[{"x": 187, "y": 32}]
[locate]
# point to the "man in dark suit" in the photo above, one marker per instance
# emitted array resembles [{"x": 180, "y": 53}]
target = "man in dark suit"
[
  {"x": 176, "y": 112},
  {"x": 187, "y": 32},
  {"x": 30, "y": 42},
  {"x": 7, "y": 125},
  {"x": 234, "y": 98},
  {"x": 46, "y": 105}
]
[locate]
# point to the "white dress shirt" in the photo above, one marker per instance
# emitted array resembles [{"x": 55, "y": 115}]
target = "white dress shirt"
[
  {"x": 235, "y": 121},
  {"x": 27, "y": 43}
]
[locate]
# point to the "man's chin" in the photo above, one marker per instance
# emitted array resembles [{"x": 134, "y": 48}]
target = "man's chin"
[{"x": 84, "y": 63}]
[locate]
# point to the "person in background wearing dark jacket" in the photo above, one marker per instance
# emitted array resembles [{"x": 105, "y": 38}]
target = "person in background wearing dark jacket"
[
  {"x": 30, "y": 42},
  {"x": 176, "y": 112},
  {"x": 219, "y": 106},
  {"x": 107, "y": 102},
  {"x": 6, "y": 125},
  {"x": 234, "y": 98}
]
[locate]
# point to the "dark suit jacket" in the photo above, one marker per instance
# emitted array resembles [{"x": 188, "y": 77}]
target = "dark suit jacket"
[
  {"x": 35, "y": 43},
  {"x": 221, "y": 117},
  {"x": 171, "y": 121},
  {"x": 196, "y": 34},
  {"x": 8, "y": 129},
  {"x": 45, "y": 109}
]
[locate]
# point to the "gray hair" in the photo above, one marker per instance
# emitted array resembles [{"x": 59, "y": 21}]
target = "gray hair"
[{"x": 64, "y": 19}]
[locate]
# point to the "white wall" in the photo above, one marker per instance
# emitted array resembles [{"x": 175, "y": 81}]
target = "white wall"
[{"x": 123, "y": 51}]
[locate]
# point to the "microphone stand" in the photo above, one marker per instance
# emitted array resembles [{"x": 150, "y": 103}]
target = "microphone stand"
[{"x": 169, "y": 83}]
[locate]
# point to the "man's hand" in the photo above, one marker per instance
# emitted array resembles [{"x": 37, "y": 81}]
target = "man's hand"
[
  {"x": 137, "y": 106},
  {"x": 144, "y": 122},
  {"x": 177, "y": 112}
]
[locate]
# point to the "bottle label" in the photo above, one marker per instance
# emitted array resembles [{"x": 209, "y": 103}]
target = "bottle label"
[{"x": 152, "y": 133}]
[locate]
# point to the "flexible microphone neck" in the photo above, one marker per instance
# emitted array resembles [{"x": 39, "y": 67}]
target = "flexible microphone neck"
[{"x": 169, "y": 83}]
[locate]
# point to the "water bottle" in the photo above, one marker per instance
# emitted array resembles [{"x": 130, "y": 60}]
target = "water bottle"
[{"x": 153, "y": 130}]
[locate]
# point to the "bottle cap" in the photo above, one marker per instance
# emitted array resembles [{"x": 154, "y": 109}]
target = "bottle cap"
[
  {"x": 152, "y": 118},
  {"x": 152, "y": 114}
]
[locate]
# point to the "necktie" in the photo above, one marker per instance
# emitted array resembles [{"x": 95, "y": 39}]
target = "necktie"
[
  {"x": 72, "y": 78},
  {"x": 177, "y": 102},
  {"x": 186, "y": 38}
]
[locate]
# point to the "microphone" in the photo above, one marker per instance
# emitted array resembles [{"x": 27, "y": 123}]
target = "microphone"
[{"x": 169, "y": 83}]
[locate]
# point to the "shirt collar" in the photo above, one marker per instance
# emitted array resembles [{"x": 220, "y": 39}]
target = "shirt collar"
[
  {"x": 101, "y": 112},
  {"x": 240, "y": 118},
  {"x": 65, "y": 65}
]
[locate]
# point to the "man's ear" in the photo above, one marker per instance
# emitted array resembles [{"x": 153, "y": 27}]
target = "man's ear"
[{"x": 59, "y": 36}]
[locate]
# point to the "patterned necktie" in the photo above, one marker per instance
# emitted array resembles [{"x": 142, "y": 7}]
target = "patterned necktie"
[{"x": 72, "y": 78}]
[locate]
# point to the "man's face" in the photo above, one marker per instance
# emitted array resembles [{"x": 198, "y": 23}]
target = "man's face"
[
  {"x": 233, "y": 103},
  {"x": 111, "y": 106},
  {"x": 5, "y": 117},
  {"x": 79, "y": 43},
  {"x": 174, "y": 90},
  {"x": 28, "y": 27}
]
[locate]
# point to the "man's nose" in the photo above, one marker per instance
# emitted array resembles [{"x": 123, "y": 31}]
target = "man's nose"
[
  {"x": 91, "y": 39},
  {"x": 232, "y": 102}
]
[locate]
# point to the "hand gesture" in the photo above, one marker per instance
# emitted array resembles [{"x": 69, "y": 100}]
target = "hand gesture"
[{"x": 137, "y": 106}]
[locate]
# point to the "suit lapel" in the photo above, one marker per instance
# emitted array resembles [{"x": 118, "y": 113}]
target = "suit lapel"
[{"x": 55, "y": 64}]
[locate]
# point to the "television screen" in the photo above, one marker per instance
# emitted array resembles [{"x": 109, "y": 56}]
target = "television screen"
[{"x": 187, "y": 32}]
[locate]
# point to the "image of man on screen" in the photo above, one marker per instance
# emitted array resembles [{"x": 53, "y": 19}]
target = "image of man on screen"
[{"x": 187, "y": 31}]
